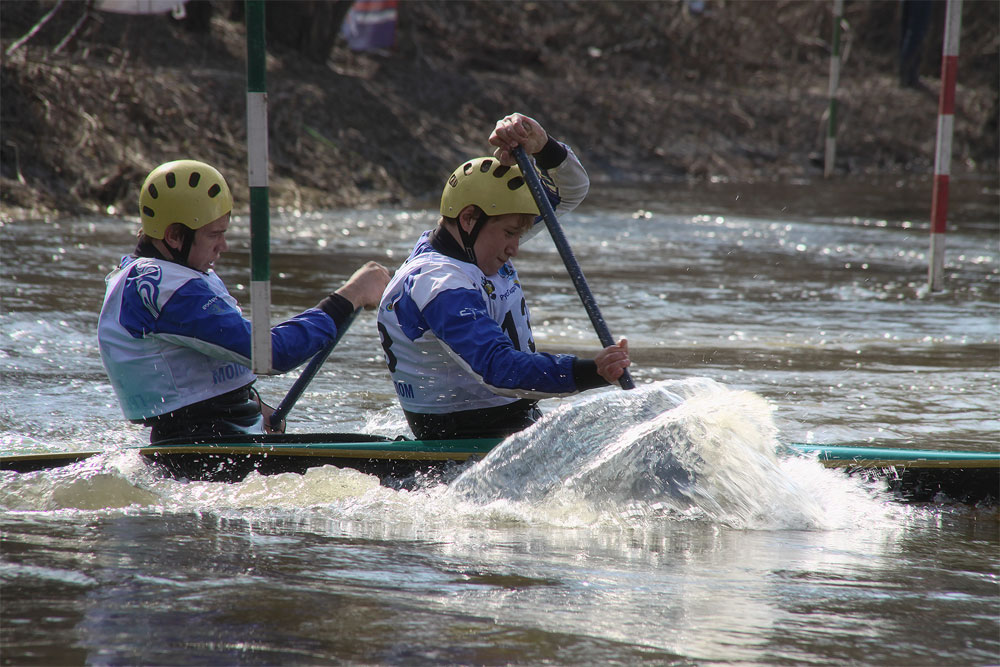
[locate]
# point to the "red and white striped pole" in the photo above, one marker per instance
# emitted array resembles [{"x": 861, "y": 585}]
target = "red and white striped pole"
[{"x": 942, "y": 156}]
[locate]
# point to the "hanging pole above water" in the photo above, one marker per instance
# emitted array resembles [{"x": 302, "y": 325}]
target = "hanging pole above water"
[
  {"x": 942, "y": 153},
  {"x": 831, "y": 121},
  {"x": 260, "y": 227}
]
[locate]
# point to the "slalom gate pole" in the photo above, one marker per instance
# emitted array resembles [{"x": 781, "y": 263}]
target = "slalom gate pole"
[
  {"x": 942, "y": 153},
  {"x": 831, "y": 121},
  {"x": 260, "y": 225}
]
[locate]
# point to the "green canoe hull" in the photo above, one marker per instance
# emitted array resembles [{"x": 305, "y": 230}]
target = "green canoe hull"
[{"x": 914, "y": 475}]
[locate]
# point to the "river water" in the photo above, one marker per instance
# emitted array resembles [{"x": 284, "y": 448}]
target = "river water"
[{"x": 756, "y": 315}]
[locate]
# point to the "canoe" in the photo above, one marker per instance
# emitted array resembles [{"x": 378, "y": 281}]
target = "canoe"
[
  {"x": 918, "y": 475},
  {"x": 232, "y": 458},
  {"x": 913, "y": 475}
]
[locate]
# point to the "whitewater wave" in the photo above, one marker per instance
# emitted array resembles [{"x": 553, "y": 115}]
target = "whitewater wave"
[
  {"x": 688, "y": 449},
  {"x": 676, "y": 450}
]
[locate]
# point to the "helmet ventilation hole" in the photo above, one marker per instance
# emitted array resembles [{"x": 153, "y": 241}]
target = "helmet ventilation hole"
[
  {"x": 148, "y": 211},
  {"x": 485, "y": 166},
  {"x": 214, "y": 190},
  {"x": 193, "y": 179},
  {"x": 515, "y": 183},
  {"x": 171, "y": 179},
  {"x": 152, "y": 191},
  {"x": 500, "y": 171}
]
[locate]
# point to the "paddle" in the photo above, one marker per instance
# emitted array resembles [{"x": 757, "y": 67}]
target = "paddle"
[
  {"x": 308, "y": 374},
  {"x": 568, "y": 258}
]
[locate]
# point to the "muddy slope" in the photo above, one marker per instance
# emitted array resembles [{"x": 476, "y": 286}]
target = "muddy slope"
[{"x": 646, "y": 92}]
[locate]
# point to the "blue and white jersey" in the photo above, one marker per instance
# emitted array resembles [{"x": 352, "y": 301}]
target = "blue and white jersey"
[
  {"x": 456, "y": 339},
  {"x": 171, "y": 336}
]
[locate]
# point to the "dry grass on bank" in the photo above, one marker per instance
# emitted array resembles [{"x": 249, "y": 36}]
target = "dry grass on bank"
[{"x": 646, "y": 92}]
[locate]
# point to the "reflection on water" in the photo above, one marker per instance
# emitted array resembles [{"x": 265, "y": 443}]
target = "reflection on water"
[
  {"x": 663, "y": 525},
  {"x": 371, "y": 575}
]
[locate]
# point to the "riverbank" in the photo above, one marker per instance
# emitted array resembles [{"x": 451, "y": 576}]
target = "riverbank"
[{"x": 648, "y": 94}]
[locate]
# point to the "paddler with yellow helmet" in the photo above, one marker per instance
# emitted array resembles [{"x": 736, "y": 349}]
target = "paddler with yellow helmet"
[
  {"x": 173, "y": 340},
  {"x": 454, "y": 321}
]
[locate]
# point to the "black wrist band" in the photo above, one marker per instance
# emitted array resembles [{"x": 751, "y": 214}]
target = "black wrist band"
[
  {"x": 552, "y": 155},
  {"x": 337, "y": 307}
]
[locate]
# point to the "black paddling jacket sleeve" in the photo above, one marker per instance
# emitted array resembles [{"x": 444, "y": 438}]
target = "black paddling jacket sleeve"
[
  {"x": 586, "y": 376},
  {"x": 338, "y": 308}
]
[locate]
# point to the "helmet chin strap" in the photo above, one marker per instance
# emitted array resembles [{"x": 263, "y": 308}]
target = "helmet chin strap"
[{"x": 469, "y": 238}]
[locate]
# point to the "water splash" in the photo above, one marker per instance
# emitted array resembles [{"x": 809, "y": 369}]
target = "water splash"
[
  {"x": 690, "y": 449},
  {"x": 113, "y": 480},
  {"x": 669, "y": 451}
]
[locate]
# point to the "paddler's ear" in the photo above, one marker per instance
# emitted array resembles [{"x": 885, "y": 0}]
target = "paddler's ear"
[
  {"x": 173, "y": 236},
  {"x": 468, "y": 217}
]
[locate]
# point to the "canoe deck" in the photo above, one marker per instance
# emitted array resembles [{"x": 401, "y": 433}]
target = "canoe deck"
[
  {"x": 918, "y": 475},
  {"x": 912, "y": 475},
  {"x": 230, "y": 459}
]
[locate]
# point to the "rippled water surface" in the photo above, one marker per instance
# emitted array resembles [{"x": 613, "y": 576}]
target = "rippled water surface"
[{"x": 661, "y": 525}]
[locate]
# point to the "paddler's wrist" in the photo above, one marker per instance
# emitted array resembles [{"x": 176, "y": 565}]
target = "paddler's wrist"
[
  {"x": 585, "y": 375},
  {"x": 551, "y": 155},
  {"x": 338, "y": 307}
]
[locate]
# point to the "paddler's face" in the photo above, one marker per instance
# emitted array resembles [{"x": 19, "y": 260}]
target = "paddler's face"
[
  {"x": 209, "y": 244},
  {"x": 499, "y": 240}
]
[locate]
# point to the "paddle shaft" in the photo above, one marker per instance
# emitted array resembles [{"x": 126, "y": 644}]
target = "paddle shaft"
[
  {"x": 288, "y": 402},
  {"x": 569, "y": 259}
]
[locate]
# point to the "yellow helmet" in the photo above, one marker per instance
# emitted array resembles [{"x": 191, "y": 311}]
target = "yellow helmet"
[
  {"x": 493, "y": 187},
  {"x": 185, "y": 191}
]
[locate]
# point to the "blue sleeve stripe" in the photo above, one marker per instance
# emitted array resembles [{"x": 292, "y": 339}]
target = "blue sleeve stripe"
[
  {"x": 459, "y": 319},
  {"x": 410, "y": 319},
  {"x": 133, "y": 315},
  {"x": 195, "y": 313},
  {"x": 296, "y": 340}
]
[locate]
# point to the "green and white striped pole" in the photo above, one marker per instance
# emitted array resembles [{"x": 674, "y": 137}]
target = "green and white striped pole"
[
  {"x": 831, "y": 127},
  {"x": 260, "y": 224}
]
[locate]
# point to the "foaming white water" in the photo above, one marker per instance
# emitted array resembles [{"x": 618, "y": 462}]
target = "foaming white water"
[
  {"x": 114, "y": 480},
  {"x": 122, "y": 479},
  {"x": 675, "y": 450},
  {"x": 690, "y": 449}
]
